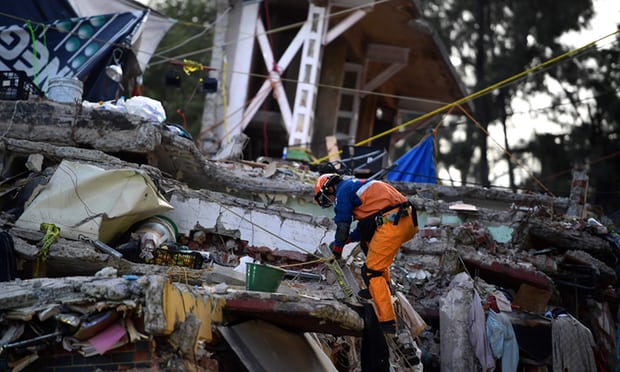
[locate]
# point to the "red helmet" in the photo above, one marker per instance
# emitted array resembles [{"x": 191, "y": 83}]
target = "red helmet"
[{"x": 321, "y": 188}]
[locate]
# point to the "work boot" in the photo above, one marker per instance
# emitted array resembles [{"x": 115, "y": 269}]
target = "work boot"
[
  {"x": 388, "y": 327},
  {"x": 364, "y": 293}
]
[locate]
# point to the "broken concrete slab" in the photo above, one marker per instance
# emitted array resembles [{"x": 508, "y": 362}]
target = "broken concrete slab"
[
  {"x": 72, "y": 125},
  {"x": 261, "y": 346}
]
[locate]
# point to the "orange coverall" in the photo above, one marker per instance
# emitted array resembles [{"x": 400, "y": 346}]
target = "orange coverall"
[{"x": 376, "y": 200}]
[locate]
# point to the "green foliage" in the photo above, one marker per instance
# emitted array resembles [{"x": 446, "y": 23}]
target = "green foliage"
[{"x": 191, "y": 33}]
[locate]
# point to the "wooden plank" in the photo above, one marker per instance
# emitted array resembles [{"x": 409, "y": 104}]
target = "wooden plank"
[
  {"x": 332, "y": 148},
  {"x": 343, "y": 26},
  {"x": 532, "y": 299}
]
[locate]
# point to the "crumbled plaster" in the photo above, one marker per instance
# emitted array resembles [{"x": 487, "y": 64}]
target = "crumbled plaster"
[{"x": 257, "y": 225}]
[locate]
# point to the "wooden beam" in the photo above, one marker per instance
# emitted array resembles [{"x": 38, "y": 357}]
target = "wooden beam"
[
  {"x": 387, "y": 53},
  {"x": 294, "y": 47},
  {"x": 274, "y": 82},
  {"x": 274, "y": 74},
  {"x": 342, "y": 26},
  {"x": 382, "y": 77},
  {"x": 255, "y": 104},
  {"x": 332, "y": 148}
]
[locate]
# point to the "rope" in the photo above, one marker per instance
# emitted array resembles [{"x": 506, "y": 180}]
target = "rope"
[
  {"x": 35, "y": 70},
  {"x": 318, "y": 261},
  {"x": 510, "y": 155},
  {"x": 52, "y": 232},
  {"x": 475, "y": 94}
]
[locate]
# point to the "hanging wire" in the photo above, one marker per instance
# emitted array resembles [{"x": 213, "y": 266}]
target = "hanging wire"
[
  {"x": 275, "y": 30},
  {"x": 191, "y": 38},
  {"x": 477, "y": 94},
  {"x": 510, "y": 155},
  {"x": 480, "y": 92},
  {"x": 359, "y": 91},
  {"x": 444, "y": 106}
]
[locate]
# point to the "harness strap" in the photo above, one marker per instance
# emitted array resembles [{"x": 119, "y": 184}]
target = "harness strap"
[
  {"x": 368, "y": 225},
  {"x": 402, "y": 211},
  {"x": 368, "y": 274}
]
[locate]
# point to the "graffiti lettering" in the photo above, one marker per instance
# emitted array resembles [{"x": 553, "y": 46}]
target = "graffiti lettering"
[{"x": 13, "y": 43}]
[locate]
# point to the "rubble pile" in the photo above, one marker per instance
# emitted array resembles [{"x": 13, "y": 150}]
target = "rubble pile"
[{"x": 131, "y": 253}]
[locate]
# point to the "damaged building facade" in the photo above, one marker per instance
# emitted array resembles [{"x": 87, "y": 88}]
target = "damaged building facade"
[
  {"x": 131, "y": 247},
  {"x": 128, "y": 252}
]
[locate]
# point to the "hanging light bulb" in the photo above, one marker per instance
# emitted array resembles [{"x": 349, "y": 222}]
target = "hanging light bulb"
[{"x": 115, "y": 71}]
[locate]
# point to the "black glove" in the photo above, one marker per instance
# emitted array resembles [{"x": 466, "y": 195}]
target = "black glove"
[{"x": 336, "y": 250}]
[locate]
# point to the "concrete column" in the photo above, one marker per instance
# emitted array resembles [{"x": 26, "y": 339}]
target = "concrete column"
[
  {"x": 578, "y": 193},
  {"x": 213, "y": 112},
  {"x": 233, "y": 47}
]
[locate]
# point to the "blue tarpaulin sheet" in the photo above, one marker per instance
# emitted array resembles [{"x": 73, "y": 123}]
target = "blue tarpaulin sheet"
[{"x": 416, "y": 165}]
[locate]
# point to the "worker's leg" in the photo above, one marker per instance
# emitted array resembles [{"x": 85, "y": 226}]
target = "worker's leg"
[{"x": 382, "y": 249}]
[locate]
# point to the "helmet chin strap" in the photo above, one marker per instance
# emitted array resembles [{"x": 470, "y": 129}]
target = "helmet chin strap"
[
  {"x": 324, "y": 188},
  {"x": 323, "y": 199}
]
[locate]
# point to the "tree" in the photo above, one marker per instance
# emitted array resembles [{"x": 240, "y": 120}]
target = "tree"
[
  {"x": 494, "y": 40},
  {"x": 168, "y": 82},
  {"x": 590, "y": 111}
]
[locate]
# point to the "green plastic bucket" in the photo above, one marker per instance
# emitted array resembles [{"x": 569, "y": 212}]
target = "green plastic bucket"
[{"x": 263, "y": 278}]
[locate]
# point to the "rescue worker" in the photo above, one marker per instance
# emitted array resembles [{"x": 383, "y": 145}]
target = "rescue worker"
[{"x": 385, "y": 220}]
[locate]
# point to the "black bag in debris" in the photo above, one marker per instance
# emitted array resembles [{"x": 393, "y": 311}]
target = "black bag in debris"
[{"x": 8, "y": 264}]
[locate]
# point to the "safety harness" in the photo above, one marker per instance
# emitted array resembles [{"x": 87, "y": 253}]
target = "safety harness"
[{"x": 368, "y": 225}]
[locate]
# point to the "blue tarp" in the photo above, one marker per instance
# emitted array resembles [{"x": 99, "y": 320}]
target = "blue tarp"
[{"x": 416, "y": 165}]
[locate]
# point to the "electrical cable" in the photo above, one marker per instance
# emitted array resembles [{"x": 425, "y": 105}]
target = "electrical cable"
[{"x": 510, "y": 155}]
